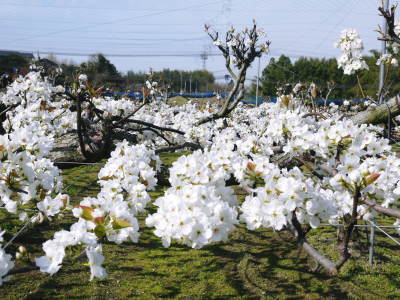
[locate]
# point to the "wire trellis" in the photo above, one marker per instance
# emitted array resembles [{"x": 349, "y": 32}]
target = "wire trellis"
[{"x": 372, "y": 227}]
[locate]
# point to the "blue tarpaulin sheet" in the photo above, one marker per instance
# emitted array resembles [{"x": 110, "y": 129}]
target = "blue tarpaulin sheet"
[{"x": 247, "y": 100}]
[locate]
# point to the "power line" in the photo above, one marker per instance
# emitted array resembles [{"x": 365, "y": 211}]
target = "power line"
[
  {"x": 132, "y": 55},
  {"x": 181, "y": 54},
  {"x": 307, "y": 8},
  {"x": 120, "y": 20},
  {"x": 78, "y": 7},
  {"x": 351, "y": 5}
]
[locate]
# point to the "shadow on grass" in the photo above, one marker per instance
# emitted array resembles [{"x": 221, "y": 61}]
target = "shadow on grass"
[{"x": 258, "y": 264}]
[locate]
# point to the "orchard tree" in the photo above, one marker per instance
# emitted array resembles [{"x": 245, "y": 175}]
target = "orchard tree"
[{"x": 300, "y": 165}]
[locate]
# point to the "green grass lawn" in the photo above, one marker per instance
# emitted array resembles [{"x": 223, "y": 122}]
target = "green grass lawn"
[
  {"x": 252, "y": 265},
  {"x": 179, "y": 100}
]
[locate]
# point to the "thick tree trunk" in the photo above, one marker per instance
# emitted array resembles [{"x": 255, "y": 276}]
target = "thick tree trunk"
[{"x": 379, "y": 114}]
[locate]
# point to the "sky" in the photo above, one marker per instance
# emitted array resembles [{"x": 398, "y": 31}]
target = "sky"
[{"x": 138, "y": 34}]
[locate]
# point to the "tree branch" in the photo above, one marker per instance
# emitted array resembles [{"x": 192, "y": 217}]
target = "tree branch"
[
  {"x": 379, "y": 114},
  {"x": 296, "y": 229},
  {"x": 348, "y": 229},
  {"x": 384, "y": 210},
  {"x": 189, "y": 145},
  {"x": 154, "y": 126},
  {"x": 389, "y": 16},
  {"x": 77, "y": 101}
]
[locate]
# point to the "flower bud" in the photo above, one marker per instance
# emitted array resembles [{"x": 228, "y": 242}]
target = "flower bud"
[
  {"x": 22, "y": 249},
  {"x": 285, "y": 100},
  {"x": 39, "y": 218},
  {"x": 251, "y": 166},
  {"x": 371, "y": 178},
  {"x": 65, "y": 200}
]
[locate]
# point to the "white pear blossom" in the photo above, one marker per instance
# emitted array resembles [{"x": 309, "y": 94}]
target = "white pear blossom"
[
  {"x": 387, "y": 59},
  {"x": 351, "y": 45},
  {"x": 96, "y": 260}
]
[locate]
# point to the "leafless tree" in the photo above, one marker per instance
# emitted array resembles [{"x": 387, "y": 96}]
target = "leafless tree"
[{"x": 239, "y": 49}]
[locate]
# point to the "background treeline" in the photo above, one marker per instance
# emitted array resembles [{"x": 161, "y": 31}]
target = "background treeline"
[
  {"x": 322, "y": 72},
  {"x": 9, "y": 63},
  {"x": 185, "y": 81},
  {"x": 278, "y": 72},
  {"x": 101, "y": 72}
]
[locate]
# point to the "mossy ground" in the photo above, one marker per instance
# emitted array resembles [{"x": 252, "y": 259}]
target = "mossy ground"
[
  {"x": 252, "y": 265},
  {"x": 179, "y": 100}
]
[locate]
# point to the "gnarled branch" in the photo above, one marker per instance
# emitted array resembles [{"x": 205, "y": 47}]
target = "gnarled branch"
[{"x": 296, "y": 229}]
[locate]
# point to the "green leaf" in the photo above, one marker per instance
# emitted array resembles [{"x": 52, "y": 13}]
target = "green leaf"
[
  {"x": 120, "y": 223},
  {"x": 100, "y": 231}
]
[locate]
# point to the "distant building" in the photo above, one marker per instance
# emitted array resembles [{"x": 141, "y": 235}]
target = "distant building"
[{"x": 9, "y": 52}]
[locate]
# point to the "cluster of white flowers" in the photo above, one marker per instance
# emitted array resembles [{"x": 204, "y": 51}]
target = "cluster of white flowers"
[
  {"x": 360, "y": 157},
  {"x": 377, "y": 178},
  {"x": 37, "y": 106},
  {"x": 283, "y": 193},
  {"x": 30, "y": 184},
  {"x": 124, "y": 181},
  {"x": 130, "y": 166},
  {"x": 199, "y": 208},
  {"x": 276, "y": 193},
  {"x": 246, "y": 38},
  {"x": 82, "y": 78},
  {"x": 194, "y": 214},
  {"x": 203, "y": 168},
  {"x": 55, "y": 248},
  {"x": 387, "y": 59},
  {"x": 351, "y": 45},
  {"x": 27, "y": 176},
  {"x": 113, "y": 107},
  {"x": 152, "y": 86}
]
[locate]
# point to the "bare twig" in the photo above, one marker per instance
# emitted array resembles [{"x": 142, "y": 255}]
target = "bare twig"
[
  {"x": 389, "y": 16},
  {"x": 18, "y": 233},
  {"x": 188, "y": 145}
]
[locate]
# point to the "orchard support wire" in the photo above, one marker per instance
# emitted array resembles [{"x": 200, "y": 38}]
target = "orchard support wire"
[
  {"x": 372, "y": 227},
  {"x": 371, "y": 244}
]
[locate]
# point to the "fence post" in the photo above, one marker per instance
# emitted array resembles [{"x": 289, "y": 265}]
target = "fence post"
[{"x": 371, "y": 241}]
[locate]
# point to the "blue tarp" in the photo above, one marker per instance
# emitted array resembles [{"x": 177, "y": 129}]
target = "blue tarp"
[
  {"x": 139, "y": 95},
  {"x": 251, "y": 100},
  {"x": 131, "y": 95},
  {"x": 248, "y": 99},
  {"x": 195, "y": 95}
]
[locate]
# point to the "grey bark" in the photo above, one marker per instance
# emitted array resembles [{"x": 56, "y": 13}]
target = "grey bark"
[{"x": 379, "y": 114}]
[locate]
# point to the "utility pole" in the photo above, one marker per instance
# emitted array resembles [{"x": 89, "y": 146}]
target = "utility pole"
[
  {"x": 204, "y": 57},
  {"x": 190, "y": 83},
  {"x": 383, "y": 51},
  {"x": 258, "y": 79},
  {"x": 181, "y": 82}
]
